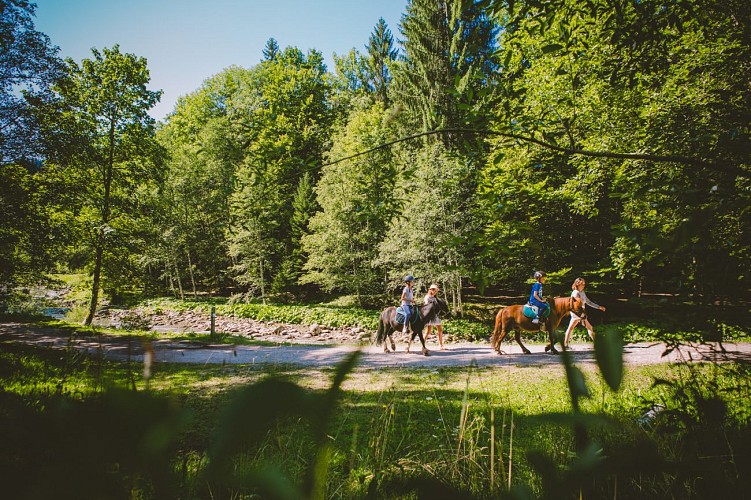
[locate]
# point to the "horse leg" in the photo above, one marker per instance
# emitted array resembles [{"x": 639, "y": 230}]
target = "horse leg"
[
  {"x": 499, "y": 332},
  {"x": 411, "y": 337},
  {"x": 551, "y": 338},
  {"x": 425, "y": 351},
  {"x": 388, "y": 337},
  {"x": 518, "y": 338}
]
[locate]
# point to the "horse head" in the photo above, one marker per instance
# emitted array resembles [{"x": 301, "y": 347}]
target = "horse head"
[
  {"x": 577, "y": 306},
  {"x": 435, "y": 308},
  {"x": 443, "y": 306}
]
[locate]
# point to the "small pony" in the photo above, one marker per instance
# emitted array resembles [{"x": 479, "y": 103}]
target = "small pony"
[
  {"x": 387, "y": 324},
  {"x": 513, "y": 318}
]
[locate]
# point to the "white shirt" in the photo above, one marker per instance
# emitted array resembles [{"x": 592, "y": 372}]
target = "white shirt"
[{"x": 579, "y": 294}]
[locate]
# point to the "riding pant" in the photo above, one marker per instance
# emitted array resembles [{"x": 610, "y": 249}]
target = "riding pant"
[{"x": 542, "y": 306}]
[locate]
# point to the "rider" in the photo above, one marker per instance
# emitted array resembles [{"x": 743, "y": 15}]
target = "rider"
[
  {"x": 408, "y": 298},
  {"x": 536, "y": 298}
]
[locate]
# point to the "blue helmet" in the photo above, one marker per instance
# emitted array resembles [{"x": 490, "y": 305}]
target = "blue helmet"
[{"x": 409, "y": 277}]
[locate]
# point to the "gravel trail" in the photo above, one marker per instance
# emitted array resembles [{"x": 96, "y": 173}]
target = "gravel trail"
[{"x": 316, "y": 355}]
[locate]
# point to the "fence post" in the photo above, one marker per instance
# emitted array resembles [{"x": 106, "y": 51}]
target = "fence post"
[{"x": 213, "y": 317}]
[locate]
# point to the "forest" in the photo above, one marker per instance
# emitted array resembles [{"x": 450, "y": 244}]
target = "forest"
[
  {"x": 472, "y": 145},
  {"x": 486, "y": 140}
]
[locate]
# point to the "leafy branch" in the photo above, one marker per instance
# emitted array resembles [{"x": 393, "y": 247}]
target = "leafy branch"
[{"x": 554, "y": 147}]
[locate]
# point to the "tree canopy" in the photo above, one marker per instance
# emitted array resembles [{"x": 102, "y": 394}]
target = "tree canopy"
[{"x": 608, "y": 139}]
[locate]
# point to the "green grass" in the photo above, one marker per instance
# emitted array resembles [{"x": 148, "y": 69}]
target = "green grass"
[{"x": 390, "y": 427}]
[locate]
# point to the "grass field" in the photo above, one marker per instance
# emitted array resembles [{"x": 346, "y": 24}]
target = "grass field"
[{"x": 74, "y": 426}]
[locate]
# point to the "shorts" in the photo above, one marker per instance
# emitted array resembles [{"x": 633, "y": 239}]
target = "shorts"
[{"x": 581, "y": 318}]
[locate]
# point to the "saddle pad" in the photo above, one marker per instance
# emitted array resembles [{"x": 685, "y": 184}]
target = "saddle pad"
[
  {"x": 530, "y": 311},
  {"x": 400, "y": 315}
]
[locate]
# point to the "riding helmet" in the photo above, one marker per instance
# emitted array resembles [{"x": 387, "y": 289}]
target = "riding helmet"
[
  {"x": 409, "y": 277},
  {"x": 539, "y": 274}
]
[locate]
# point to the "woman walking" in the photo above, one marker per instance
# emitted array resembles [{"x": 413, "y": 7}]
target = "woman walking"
[
  {"x": 578, "y": 292},
  {"x": 435, "y": 322}
]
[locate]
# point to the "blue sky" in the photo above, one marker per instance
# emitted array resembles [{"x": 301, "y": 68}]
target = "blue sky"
[{"x": 187, "y": 41}]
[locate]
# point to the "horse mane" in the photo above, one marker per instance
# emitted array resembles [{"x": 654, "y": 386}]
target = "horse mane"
[{"x": 441, "y": 306}]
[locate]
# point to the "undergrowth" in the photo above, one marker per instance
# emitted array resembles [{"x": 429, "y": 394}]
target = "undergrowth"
[{"x": 236, "y": 431}]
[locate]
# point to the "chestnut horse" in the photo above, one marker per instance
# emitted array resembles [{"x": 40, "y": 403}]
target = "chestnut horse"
[
  {"x": 513, "y": 318},
  {"x": 387, "y": 324}
]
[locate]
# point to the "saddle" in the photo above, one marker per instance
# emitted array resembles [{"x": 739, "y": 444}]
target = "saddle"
[
  {"x": 530, "y": 311},
  {"x": 400, "y": 315}
]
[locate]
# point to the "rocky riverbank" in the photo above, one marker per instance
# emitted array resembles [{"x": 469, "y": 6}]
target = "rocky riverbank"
[{"x": 197, "y": 322}]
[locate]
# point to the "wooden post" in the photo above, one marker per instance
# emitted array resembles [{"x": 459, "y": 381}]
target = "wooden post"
[{"x": 213, "y": 318}]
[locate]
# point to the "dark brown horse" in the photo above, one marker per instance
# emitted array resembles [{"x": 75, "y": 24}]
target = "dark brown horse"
[
  {"x": 513, "y": 318},
  {"x": 387, "y": 324}
]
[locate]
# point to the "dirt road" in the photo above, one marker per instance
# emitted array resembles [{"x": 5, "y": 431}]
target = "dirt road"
[{"x": 457, "y": 354}]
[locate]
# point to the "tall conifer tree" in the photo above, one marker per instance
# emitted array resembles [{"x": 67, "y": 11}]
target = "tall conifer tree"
[
  {"x": 448, "y": 46},
  {"x": 381, "y": 53}
]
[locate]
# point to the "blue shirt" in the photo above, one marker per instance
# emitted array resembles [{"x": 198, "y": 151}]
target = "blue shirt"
[{"x": 537, "y": 287}]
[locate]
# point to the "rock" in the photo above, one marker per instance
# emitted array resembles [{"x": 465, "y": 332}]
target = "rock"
[{"x": 315, "y": 330}]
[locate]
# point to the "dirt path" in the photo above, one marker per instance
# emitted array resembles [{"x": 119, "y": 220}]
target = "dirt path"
[{"x": 456, "y": 354}]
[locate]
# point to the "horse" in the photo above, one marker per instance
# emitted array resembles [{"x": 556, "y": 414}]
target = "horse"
[
  {"x": 513, "y": 318},
  {"x": 387, "y": 324}
]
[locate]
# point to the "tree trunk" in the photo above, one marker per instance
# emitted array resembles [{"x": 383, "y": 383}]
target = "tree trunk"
[
  {"x": 459, "y": 307},
  {"x": 179, "y": 282},
  {"x": 192, "y": 278},
  {"x": 263, "y": 288},
  {"x": 95, "y": 286},
  {"x": 103, "y": 229}
]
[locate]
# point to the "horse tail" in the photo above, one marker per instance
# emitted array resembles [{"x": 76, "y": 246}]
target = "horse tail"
[{"x": 380, "y": 336}]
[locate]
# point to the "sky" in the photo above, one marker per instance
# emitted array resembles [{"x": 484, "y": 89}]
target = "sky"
[{"x": 188, "y": 41}]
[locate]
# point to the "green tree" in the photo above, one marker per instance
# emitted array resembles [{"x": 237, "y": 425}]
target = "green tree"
[
  {"x": 303, "y": 207},
  {"x": 358, "y": 199},
  {"x": 587, "y": 86},
  {"x": 448, "y": 48},
  {"x": 28, "y": 67},
  {"x": 284, "y": 118},
  {"x": 433, "y": 236},
  {"x": 351, "y": 72},
  {"x": 445, "y": 74},
  {"x": 271, "y": 50},
  {"x": 204, "y": 152},
  {"x": 29, "y": 235},
  {"x": 381, "y": 54},
  {"x": 100, "y": 131}
]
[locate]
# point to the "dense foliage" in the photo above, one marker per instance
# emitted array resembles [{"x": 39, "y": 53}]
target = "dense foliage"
[{"x": 608, "y": 139}]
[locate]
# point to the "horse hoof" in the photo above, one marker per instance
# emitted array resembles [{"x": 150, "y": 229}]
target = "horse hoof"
[
  {"x": 527, "y": 351},
  {"x": 547, "y": 348},
  {"x": 553, "y": 350},
  {"x": 425, "y": 352}
]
